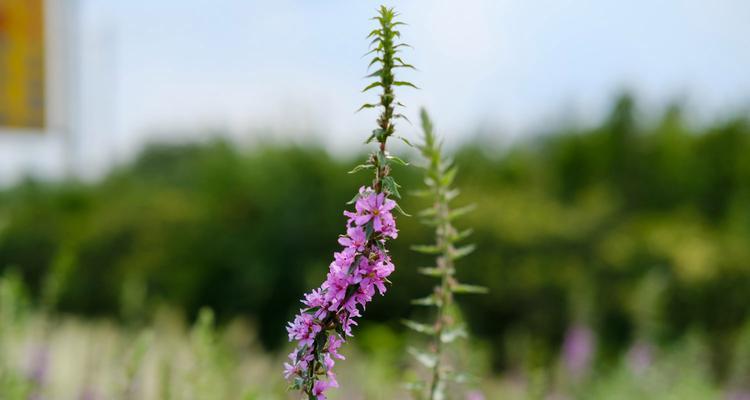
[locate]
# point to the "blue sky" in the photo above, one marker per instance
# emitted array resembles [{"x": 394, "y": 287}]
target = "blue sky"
[
  {"x": 296, "y": 63},
  {"x": 294, "y": 66}
]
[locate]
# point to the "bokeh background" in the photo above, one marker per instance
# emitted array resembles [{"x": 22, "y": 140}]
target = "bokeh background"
[{"x": 155, "y": 241}]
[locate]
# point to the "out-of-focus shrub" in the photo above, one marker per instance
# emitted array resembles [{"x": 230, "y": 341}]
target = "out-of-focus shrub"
[{"x": 568, "y": 226}]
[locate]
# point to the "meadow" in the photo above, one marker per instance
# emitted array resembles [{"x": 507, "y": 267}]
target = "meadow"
[
  {"x": 615, "y": 257},
  {"x": 65, "y": 357}
]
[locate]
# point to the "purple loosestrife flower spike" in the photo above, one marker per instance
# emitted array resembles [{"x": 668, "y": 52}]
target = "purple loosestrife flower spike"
[
  {"x": 358, "y": 271},
  {"x": 362, "y": 266}
]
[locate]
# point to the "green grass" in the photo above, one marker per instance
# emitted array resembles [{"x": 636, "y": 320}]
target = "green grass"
[{"x": 74, "y": 358}]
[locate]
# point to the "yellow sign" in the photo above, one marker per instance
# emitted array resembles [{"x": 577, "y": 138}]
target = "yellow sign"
[{"x": 22, "y": 59}]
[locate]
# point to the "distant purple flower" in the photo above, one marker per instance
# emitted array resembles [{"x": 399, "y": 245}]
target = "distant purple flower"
[
  {"x": 38, "y": 371},
  {"x": 474, "y": 395},
  {"x": 578, "y": 350},
  {"x": 359, "y": 270},
  {"x": 640, "y": 357},
  {"x": 738, "y": 395},
  {"x": 88, "y": 394}
]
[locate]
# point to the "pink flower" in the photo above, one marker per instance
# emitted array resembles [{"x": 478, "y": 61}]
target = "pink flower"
[
  {"x": 318, "y": 390},
  {"x": 304, "y": 328},
  {"x": 375, "y": 207},
  {"x": 314, "y": 299},
  {"x": 359, "y": 270},
  {"x": 355, "y": 238}
]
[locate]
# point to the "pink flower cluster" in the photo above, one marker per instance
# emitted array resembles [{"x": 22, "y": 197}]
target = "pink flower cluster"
[{"x": 359, "y": 270}]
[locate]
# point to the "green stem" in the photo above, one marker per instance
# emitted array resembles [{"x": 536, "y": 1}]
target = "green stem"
[{"x": 445, "y": 264}]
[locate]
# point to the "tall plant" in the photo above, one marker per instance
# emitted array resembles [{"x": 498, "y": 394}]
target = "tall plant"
[
  {"x": 363, "y": 265},
  {"x": 445, "y": 328}
]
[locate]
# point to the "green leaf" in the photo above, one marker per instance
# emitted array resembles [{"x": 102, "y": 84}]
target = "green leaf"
[
  {"x": 368, "y": 230},
  {"x": 402, "y": 116},
  {"x": 421, "y": 193},
  {"x": 452, "y": 194},
  {"x": 435, "y": 272},
  {"x": 461, "y": 211},
  {"x": 354, "y": 199},
  {"x": 460, "y": 377},
  {"x": 448, "y": 177},
  {"x": 371, "y": 51},
  {"x": 430, "y": 221},
  {"x": 366, "y": 105},
  {"x": 392, "y": 187},
  {"x": 427, "y": 212},
  {"x": 462, "y": 251},
  {"x": 405, "y": 141},
  {"x": 401, "y": 210},
  {"x": 419, "y": 327},
  {"x": 461, "y": 235},
  {"x": 409, "y": 66},
  {"x": 374, "y": 74},
  {"x": 453, "y": 333},
  {"x": 374, "y": 60},
  {"x": 428, "y": 360},
  {"x": 372, "y": 85},
  {"x": 360, "y": 167},
  {"x": 430, "y": 300},
  {"x": 415, "y": 386},
  {"x": 426, "y": 248},
  {"x": 404, "y": 83},
  {"x": 398, "y": 161},
  {"x": 382, "y": 160},
  {"x": 464, "y": 288},
  {"x": 376, "y": 134}
]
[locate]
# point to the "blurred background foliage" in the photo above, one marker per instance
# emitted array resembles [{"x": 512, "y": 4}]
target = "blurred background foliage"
[{"x": 638, "y": 231}]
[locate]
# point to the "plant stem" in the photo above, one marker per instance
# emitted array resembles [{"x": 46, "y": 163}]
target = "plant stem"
[{"x": 445, "y": 264}]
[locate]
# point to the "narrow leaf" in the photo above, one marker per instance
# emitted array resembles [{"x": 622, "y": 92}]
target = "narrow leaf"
[
  {"x": 402, "y": 116},
  {"x": 448, "y": 177},
  {"x": 464, "y": 288},
  {"x": 426, "y": 359},
  {"x": 451, "y": 334},
  {"x": 430, "y": 300},
  {"x": 374, "y": 60},
  {"x": 451, "y": 194},
  {"x": 405, "y": 141},
  {"x": 461, "y": 211},
  {"x": 398, "y": 161},
  {"x": 428, "y": 212},
  {"x": 392, "y": 187},
  {"x": 366, "y": 105},
  {"x": 461, "y": 235},
  {"x": 360, "y": 167},
  {"x": 401, "y": 210},
  {"x": 404, "y": 83},
  {"x": 426, "y": 249},
  {"x": 463, "y": 251},
  {"x": 354, "y": 199},
  {"x": 372, "y": 85},
  {"x": 431, "y": 271},
  {"x": 419, "y": 327}
]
